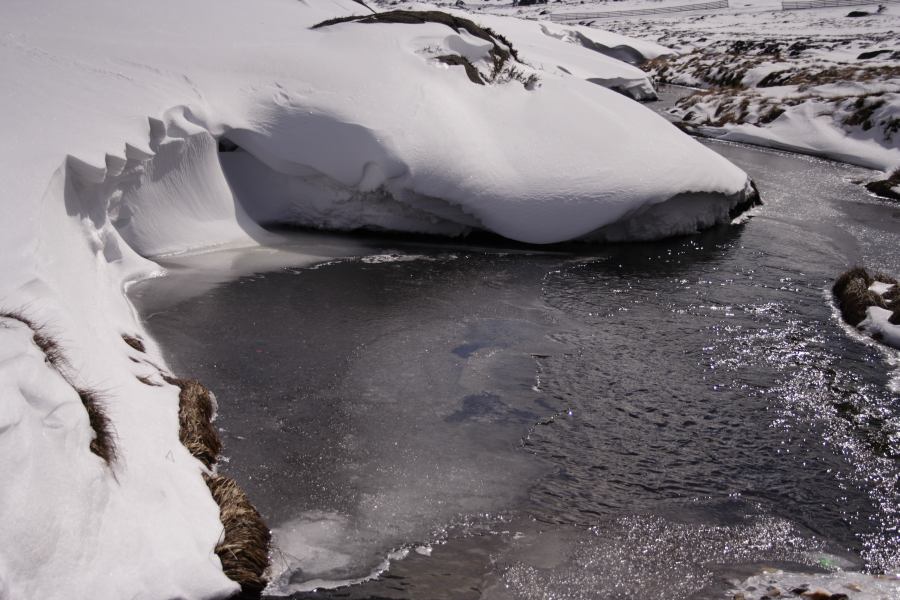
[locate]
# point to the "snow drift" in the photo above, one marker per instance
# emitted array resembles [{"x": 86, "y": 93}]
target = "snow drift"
[{"x": 112, "y": 131}]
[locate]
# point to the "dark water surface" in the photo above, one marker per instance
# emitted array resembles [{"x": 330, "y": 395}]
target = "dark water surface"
[{"x": 625, "y": 421}]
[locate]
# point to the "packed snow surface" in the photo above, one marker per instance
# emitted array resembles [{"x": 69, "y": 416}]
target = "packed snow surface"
[{"x": 113, "y": 114}]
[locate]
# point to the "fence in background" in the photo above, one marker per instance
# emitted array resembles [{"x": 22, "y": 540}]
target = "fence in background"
[
  {"x": 803, "y": 4},
  {"x": 638, "y": 12}
]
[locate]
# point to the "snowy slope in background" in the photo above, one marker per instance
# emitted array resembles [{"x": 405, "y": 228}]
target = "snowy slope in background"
[
  {"x": 813, "y": 81},
  {"x": 110, "y": 156}
]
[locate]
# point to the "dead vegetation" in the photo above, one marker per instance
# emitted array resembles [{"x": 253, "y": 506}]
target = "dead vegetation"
[
  {"x": 459, "y": 60},
  {"x": 502, "y": 53},
  {"x": 53, "y": 353},
  {"x": 851, "y": 290},
  {"x": 147, "y": 381},
  {"x": 736, "y": 76},
  {"x": 196, "y": 409},
  {"x": 103, "y": 444},
  {"x": 244, "y": 546},
  {"x": 885, "y": 187},
  {"x": 134, "y": 341},
  {"x": 419, "y": 17}
]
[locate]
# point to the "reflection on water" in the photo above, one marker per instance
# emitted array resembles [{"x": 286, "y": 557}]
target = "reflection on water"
[{"x": 640, "y": 420}]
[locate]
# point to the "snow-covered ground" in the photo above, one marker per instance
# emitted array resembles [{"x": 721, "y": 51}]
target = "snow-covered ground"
[
  {"x": 113, "y": 116},
  {"x": 816, "y": 81}
]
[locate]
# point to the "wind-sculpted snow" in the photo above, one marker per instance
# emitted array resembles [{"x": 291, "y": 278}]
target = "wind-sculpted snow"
[{"x": 113, "y": 120}]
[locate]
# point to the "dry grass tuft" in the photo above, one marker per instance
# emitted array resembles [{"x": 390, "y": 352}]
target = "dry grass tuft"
[
  {"x": 244, "y": 547},
  {"x": 885, "y": 187},
  {"x": 852, "y": 292},
  {"x": 134, "y": 341},
  {"x": 883, "y": 278},
  {"x": 48, "y": 345},
  {"x": 892, "y": 297},
  {"x": 459, "y": 60},
  {"x": 847, "y": 276},
  {"x": 103, "y": 444},
  {"x": 195, "y": 414},
  {"x": 147, "y": 381}
]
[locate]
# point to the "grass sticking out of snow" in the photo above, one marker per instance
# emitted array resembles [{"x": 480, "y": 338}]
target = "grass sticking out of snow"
[
  {"x": 134, "y": 341},
  {"x": 196, "y": 410},
  {"x": 103, "y": 444},
  {"x": 888, "y": 188},
  {"x": 48, "y": 345},
  {"x": 458, "y": 60},
  {"x": 797, "y": 81},
  {"x": 871, "y": 303},
  {"x": 244, "y": 547},
  {"x": 502, "y": 52}
]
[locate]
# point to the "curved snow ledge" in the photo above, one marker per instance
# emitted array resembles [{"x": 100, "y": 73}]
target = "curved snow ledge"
[
  {"x": 311, "y": 168},
  {"x": 558, "y": 180},
  {"x": 682, "y": 214}
]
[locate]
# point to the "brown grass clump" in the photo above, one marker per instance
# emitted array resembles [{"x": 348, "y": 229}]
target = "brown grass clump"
[
  {"x": 854, "y": 297},
  {"x": 195, "y": 414},
  {"x": 863, "y": 111},
  {"x": 459, "y": 60},
  {"x": 103, "y": 444},
  {"x": 882, "y": 278},
  {"x": 135, "y": 342},
  {"x": 892, "y": 297},
  {"x": 244, "y": 546},
  {"x": 847, "y": 276},
  {"x": 884, "y": 187}
]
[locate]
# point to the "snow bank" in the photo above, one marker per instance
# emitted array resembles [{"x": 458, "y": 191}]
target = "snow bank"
[
  {"x": 111, "y": 130},
  {"x": 810, "y": 81},
  {"x": 815, "y": 127}
]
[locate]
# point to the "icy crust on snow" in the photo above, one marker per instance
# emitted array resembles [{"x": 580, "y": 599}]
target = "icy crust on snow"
[{"x": 111, "y": 156}]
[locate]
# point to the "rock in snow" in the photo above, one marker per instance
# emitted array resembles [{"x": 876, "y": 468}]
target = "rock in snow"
[{"x": 111, "y": 113}]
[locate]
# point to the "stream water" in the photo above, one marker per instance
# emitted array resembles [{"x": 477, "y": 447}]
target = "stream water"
[{"x": 652, "y": 420}]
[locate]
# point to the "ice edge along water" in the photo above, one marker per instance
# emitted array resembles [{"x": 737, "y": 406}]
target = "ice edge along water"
[{"x": 376, "y": 122}]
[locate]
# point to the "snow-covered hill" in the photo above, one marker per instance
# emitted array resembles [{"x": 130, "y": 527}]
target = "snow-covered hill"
[{"x": 114, "y": 114}]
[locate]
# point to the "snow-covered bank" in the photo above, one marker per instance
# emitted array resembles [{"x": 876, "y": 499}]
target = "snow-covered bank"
[
  {"x": 817, "y": 81},
  {"x": 823, "y": 82},
  {"x": 111, "y": 136}
]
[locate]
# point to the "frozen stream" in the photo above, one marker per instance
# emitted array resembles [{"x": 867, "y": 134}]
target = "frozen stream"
[{"x": 627, "y": 421}]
